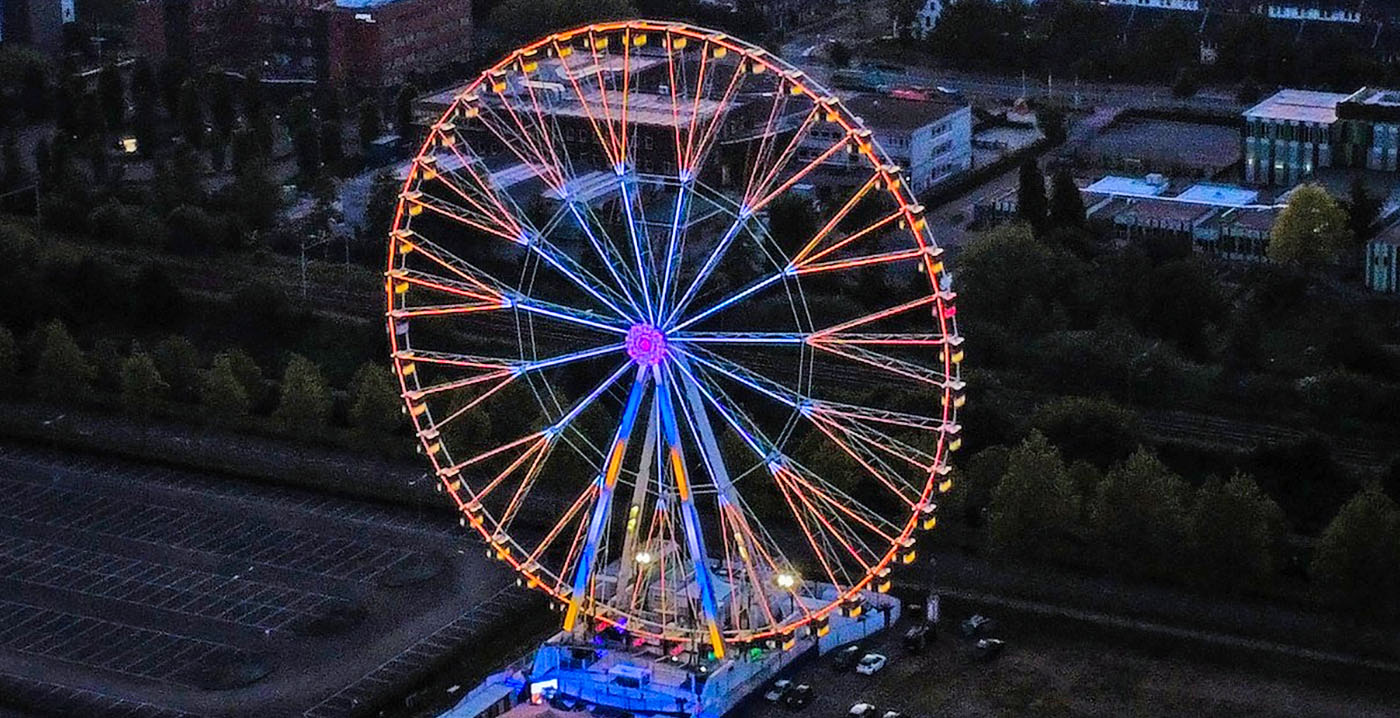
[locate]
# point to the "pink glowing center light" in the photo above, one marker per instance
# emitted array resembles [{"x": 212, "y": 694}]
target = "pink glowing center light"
[{"x": 646, "y": 345}]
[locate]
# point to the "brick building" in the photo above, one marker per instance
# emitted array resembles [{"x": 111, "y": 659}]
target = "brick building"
[{"x": 378, "y": 43}]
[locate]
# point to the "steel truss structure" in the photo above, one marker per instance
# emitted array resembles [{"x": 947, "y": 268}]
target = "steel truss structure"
[{"x": 657, "y": 383}]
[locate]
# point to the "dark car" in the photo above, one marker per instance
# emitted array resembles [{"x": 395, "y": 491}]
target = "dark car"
[
  {"x": 846, "y": 658},
  {"x": 917, "y": 637},
  {"x": 978, "y": 625},
  {"x": 987, "y": 649},
  {"x": 797, "y": 697}
]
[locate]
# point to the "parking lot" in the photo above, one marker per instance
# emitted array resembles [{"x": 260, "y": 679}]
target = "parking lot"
[
  {"x": 1052, "y": 673},
  {"x": 134, "y": 590}
]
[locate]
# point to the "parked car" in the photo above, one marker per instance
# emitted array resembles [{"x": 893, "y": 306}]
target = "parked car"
[
  {"x": 917, "y": 637},
  {"x": 777, "y": 690},
  {"x": 846, "y": 657},
  {"x": 797, "y": 697},
  {"x": 871, "y": 663},
  {"x": 978, "y": 625},
  {"x": 988, "y": 649},
  {"x": 893, "y": 714},
  {"x": 862, "y": 710}
]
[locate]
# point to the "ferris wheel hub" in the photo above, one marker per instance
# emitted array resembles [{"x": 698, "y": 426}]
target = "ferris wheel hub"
[{"x": 646, "y": 345}]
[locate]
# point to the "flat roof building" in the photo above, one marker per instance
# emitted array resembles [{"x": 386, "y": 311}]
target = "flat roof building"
[
  {"x": 378, "y": 43},
  {"x": 930, "y": 138},
  {"x": 1294, "y": 133}
]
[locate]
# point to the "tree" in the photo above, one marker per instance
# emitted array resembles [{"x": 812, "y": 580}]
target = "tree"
[
  {"x": 63, "y": 372},
  {"x": 1094, "y": 430},
  {"x": 1066, "y": 204},
  {"x": 1185, "y": 84},
  {"x": 371, "y": 125},
  {"x": 222, "y": 391},
  {"x": 249, "y": 374},
  {"x": 1357, "y": 560},
  {"x": 307, "y": 143},
  {"x": 142, "y": 386},
  {"x": 306, "y": 400},
  {"x": 111, "y": 90},
  {"x": 1363, "y": 209},
  {"x": 9, "y": 361},
  {"x": 1034, "y": 509},
  {"x": 178, "y": 362},
  {"x": 12, "y": 174},
  {"x": 332, "y": 143},
  {"x": 403, "y": 111},
  {"x": 256, "y": 195},
  {"x": 1311, "y": 230},
  {"x": 974, "y": 485},
  {"x": 375, "y": 406},
  {"x": 190, "y": 114},
  {"x": 1139, "y": 515},
  {"x": 1030, "y": 196},
  {"x": 840, "y": 54},
  {"x": 1051, "y": 121},
  {"x": 1235, "y": 533}
]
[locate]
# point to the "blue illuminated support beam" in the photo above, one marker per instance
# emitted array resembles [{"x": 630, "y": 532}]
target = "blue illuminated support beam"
[
  {"x": 695, "y": 540},
  {"x": 563, "y": 314},
  {"x": 536, "y": 244},
  {"x": 682, "y": 205},
  {"x": 526, "y": 367},
  {"x": 731, "y": 300},
  {"x": 587, "y": 401},
  {"x": 632, "y": 232},
  {"x": 710, "y": 263},
  {"x": 603, "y": 255},
  {"x": 606, "y": 481}
]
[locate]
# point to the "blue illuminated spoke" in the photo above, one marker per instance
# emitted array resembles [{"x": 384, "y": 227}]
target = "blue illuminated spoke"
[
  {"x": 564, "y": 314},
  {"x": 709, "y": 266},
  {"x": 731, "y": 300}
]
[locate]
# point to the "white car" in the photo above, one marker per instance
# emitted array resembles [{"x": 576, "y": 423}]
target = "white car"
[
  {"x": 862, "y": 710},
  {"x": 779, "y": 687},
  {"x": 871, "y": 663}
]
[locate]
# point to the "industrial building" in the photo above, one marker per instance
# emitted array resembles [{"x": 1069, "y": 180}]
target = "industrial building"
[
  {"x": 377, "y": 43},
  {"x": 1295, "y": 133},
  {"x": 1382, "y": 254}
]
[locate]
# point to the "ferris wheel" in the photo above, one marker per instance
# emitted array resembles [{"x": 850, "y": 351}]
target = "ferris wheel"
[{"x": 674, "y": 335}]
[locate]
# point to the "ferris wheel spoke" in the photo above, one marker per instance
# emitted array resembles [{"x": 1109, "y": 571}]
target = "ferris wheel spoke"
[
  {"x": 891, "y": 365},
  {"x": 570, "y": 269},
  {"x": 836, "y": 219},
  {"x": 559, "y": 312},
  {"x": 732, "y": 300},
  {"x": 902, "y": 255},
  {"x": 808, "y": 257},
  {"x": 767, "y": 452},
  {"x": 832, "y": 526}
]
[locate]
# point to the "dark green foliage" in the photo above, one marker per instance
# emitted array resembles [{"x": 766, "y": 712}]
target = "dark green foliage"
[
  {"x": 61, "y": 372},
  {"x": 1138, "y": 517},
  {"x": 1034, "y": 510},
  {"x": 375, "y": 406},
  {"x": 1066, "y": 204},
  {"x": 1031, "y": 203},
  {"x": 221, "y": 390},
  {"x": 305, "y": 402},
  {"x": 1236, "y": 532},
  {"x": 179, "y": 364},
  {"x": 403, "y": 110},
  {"x": 1094, "y": 430},
  {"x": 371, "y": 124},
  {"x": 1357, "y": 561},
  {"x": 111, "y": 91},
  {"x": 141, "y": 386}
]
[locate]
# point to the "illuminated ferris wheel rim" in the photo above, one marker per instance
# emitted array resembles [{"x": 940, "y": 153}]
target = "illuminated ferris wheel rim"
[{"x": 648, "y": 335}]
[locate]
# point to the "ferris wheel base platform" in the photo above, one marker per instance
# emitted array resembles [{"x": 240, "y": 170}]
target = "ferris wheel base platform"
[{"x": 634, "y": 677}]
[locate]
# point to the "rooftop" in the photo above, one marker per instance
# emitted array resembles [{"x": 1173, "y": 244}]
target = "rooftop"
[
  {"x": 1389, "y": 236},
  {"x": 1298, "y": 105},
  {"x": 894, "y": 113},
  {"x": 362, "y": 4},
  {"x": 1156, "y": 210},
  {"x": 1223, "y": 195},
  {"x": 1130, "y": 186}
]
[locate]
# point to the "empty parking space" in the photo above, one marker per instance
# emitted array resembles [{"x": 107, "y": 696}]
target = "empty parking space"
[{"x": 147, "y": 591}]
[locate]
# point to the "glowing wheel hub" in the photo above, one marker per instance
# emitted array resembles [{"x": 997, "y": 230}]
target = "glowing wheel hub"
[{"x": 646, "y": 345}]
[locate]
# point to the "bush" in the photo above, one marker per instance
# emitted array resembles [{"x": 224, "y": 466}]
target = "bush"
[
  {"x": 9, "y": 361},
  {"x": 375, "y": 405},
  {"x": 1034, "y": 510},
  {"x": 178, "y": 362},
  {"x": 127, "y": 225},
  {"x": 142, "y": 386},
  {"x": 1357, "y": 562},
  {"x": 222, "y": 391},
  {"x": 1235, "y": 533},
  {"x": 1094, "y": 430},
  {"x": 305, "y": 403},
  {"x": 1139, "y": 516},
  {"x": 63, "y": 372}
]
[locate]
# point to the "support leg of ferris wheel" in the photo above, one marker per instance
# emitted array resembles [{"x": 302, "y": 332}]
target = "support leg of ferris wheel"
[
  {"x": 606, "y": 481},
  {"x": 637, "y": 504},
  {"x": 695, "y": 541}
]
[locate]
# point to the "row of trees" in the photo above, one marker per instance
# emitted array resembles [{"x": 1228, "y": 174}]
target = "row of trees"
[
  {"x": 1140, "y": 519},
  {"x": 230, "y": 388},
  {"x": 1096, "y": 41}
]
